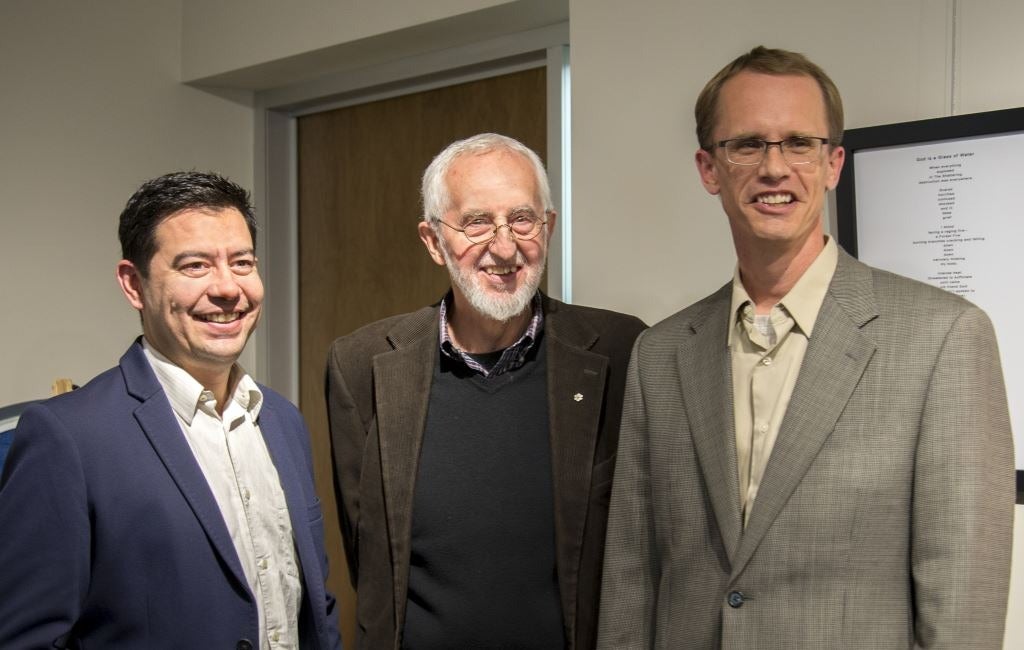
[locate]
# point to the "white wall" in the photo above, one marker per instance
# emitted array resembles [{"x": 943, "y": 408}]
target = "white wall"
[
  {"x": 91, "y": 107},
  {"x": 647, "y": 238},
  {"x": 1014, "y": 621}
]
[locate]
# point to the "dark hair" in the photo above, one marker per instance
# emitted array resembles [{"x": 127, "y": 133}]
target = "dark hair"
[
  {"x": 167, "y": 195},
  {"x": 768, "y": 61}
]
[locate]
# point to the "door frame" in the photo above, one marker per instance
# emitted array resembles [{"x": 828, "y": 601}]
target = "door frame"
[{"x": 275, "y": 164}]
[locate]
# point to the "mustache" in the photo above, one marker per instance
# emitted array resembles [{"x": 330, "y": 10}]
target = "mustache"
[{"x": 489, "y": 259}]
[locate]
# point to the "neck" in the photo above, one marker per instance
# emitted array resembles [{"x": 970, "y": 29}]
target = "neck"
[
  {"x": 219, "y": 382},
  {"x": 769, "y": 273},
  {"x": 475, "y": 333},
  {"x": 217, "y": 379}
]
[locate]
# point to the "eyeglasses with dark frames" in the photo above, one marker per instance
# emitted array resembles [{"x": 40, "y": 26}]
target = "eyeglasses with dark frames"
[{"x": 797, "y": 150}]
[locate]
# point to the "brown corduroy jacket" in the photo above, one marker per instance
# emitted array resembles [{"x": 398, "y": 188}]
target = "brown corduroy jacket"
[{"x": 378, "y": 388}]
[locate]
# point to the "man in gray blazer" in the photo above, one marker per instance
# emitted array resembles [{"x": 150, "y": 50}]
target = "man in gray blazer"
[
  {"x": 474, "y": 440},
  {"x": 818, "y": 455}
]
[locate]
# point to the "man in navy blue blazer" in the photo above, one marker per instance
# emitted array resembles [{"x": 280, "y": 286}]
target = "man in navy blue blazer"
[{"x": 169, "y": 503}]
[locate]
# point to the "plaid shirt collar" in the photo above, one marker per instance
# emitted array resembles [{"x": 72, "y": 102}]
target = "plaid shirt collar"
[{"x": 512, "y": 358}]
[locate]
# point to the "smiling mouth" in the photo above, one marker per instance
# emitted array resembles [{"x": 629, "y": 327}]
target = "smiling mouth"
[
  {"x": 774, "y": 198},
  {"x": 499, "y": 270},
  {"x": 220, "y": 317}
]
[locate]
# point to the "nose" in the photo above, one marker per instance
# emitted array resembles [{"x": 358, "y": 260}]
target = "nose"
[
  {"x": 223, "y": 285},
  {"x": 504, "y": 243},
  {"x": 774, "y": 164}
]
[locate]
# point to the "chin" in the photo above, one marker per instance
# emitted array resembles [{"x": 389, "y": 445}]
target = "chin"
[
  {"x": 501, "y": 307},
  {"x": 492, "y": 302}
]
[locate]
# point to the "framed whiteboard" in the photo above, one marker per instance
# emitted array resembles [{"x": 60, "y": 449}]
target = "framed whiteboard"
[{"x": 942, "y": 201}]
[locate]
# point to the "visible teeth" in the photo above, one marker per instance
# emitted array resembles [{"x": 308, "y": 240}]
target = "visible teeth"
[
  {"x": 775, "y": 198},
  {"x": 500, "y": 270},
  {"x": 221, "y": 317}
]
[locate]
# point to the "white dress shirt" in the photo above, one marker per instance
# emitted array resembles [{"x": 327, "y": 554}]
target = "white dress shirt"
[{"x": 234, "y": 459}]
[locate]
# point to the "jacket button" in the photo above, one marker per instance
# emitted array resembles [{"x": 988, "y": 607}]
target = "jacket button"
[
  {"x": 736, "y": 599},
  {"x": 244, "y": 644}
]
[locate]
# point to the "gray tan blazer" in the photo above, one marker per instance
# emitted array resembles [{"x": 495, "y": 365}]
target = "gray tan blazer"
[
  {"x": 378, "y": 389},
  {"x": 884, "y": 518}
]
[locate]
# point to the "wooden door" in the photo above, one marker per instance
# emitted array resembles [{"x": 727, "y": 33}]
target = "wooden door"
[{"x": 360, "y": 258}]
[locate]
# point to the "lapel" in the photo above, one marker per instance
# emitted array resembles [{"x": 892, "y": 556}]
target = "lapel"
[
  {"x": 402, "y": 378},
  {"x": 158, "y": 423},
  {"x": 576, "y": 379},
  {"x": 290, "y": 471},
  {"x": 705, "y": 376},
  {"x": 837, "y": 355}
]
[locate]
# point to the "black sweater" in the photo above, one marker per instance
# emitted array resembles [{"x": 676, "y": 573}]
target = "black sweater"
[{"x": 482, "y": 571}]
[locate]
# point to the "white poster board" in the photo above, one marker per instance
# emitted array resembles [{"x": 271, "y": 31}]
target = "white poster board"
[{"x": 947, "y": 211}]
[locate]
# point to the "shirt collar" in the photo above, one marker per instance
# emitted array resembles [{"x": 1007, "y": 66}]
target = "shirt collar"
[
  {"x": 512, "y": 358},
  {"x": 186, "y": 395},
  {"x": 803, "y": 302}
]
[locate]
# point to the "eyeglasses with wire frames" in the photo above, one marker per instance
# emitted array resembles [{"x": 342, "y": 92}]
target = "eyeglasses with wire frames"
[
  {"x": 522, "y": 226},
  {"x": 796, "y": 150}
]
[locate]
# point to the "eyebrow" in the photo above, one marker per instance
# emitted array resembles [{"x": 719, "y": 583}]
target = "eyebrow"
[
  {"x": 759, "y": 136},
  {"x": 472, "y": 214},
  {"x": 203, "y": 255}
]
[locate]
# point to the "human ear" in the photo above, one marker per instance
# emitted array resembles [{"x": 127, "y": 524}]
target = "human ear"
[
  {"x": 130, "y": 281},
  {"x": 430, "y": 239},
  {"x": 707, "y": 170},
  {"x": 836, "y": 158}
]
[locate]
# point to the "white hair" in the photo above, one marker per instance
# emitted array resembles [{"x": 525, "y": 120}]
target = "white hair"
[{"x": 436, "y": 198}]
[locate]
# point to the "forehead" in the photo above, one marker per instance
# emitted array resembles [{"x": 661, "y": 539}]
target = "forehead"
[
  {"x": 203, "y": 228},
  {"x": 753, "y": 103},
  {"x": 494, "y": 177}
]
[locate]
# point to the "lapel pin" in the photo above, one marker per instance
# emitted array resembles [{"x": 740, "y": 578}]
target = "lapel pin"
[{"x": 578, "y": 397}]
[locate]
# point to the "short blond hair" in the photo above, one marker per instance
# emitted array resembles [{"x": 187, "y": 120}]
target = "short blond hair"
[{"x": 768, "y": 61}]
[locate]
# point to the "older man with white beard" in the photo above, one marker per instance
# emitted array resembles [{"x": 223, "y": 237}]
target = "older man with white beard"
[{"x": 474, "y": 440}]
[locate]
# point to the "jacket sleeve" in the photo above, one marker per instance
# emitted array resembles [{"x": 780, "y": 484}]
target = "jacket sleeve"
[
  {"x": 629, "y": 586},
  {"x": 348, "y": 440},
  {"x": 963, "y": 495},
  {"x": 331, "y": 636},
  {"x": 45, "y": 539}
]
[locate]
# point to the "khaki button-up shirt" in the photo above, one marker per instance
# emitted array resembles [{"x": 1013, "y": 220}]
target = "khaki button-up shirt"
[{"x": 766, "y": 353}]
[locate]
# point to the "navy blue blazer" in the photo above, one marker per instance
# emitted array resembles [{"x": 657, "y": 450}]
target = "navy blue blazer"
[{"x": 110, "y": 536}]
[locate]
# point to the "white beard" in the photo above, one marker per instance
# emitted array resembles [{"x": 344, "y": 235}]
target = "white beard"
[{"x": 500, "y": 306}]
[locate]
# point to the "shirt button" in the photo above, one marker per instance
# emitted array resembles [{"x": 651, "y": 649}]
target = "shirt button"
[
  {"x": 246, "y": 495},
  {"x": 736, "y": 599},
  {"x": 262, "y": 563},
  {"x": 276, "y": 636},
  {"x": 767, "y": 361}
]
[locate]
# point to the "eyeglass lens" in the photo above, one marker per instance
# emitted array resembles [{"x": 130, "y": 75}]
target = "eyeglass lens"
[{"x": 751, "y": 151}]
